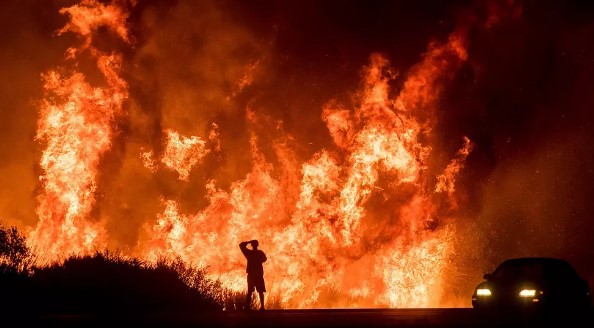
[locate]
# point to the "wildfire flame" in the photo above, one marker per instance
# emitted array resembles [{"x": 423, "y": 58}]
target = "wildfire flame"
[
  {"x": 358, "y": 224},
  {"x": 181, "y": 154},
  {"x": 75, "y": 128},
  {"x": 332, "y": 239}
]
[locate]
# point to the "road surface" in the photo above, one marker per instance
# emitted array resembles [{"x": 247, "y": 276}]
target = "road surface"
[{"x": 364, "y": 318}]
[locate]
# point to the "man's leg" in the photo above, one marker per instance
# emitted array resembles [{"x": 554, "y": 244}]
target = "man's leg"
[
  {"x": 248, "y": 297},
  {"x": 261, "y": 300}
]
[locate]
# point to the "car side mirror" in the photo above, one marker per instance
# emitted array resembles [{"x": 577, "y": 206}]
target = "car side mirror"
[{"x": 487, "y": 276}]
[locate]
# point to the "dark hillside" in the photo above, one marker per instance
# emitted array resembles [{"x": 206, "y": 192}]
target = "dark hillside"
[{"x": 101, "y": 284}]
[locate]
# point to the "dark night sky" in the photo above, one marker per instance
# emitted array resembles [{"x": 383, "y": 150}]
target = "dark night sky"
[{"x": 525, "y": 96}]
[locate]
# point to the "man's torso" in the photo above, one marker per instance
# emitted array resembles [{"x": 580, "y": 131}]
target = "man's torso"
[{"x": 255, "y": 258}]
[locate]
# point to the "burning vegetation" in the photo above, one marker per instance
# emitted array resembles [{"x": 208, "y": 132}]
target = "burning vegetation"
[{"x": 169, "y": 142}]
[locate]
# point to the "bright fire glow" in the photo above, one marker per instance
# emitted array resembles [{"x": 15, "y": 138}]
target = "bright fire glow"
[
  {"x": 358, "y": 224},
  {"x": 333, "y": 239},
  {"x": 182, "y": 153},
  {"x": 75, "y": 129}
]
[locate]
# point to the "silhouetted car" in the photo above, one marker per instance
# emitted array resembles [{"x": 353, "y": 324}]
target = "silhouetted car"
[{"x": 535, "y": 284}]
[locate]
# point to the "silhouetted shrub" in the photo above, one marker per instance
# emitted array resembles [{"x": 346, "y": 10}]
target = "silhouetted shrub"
[
  {"x": 109, "y": 284},
  {"x": 103, "y": 284}
]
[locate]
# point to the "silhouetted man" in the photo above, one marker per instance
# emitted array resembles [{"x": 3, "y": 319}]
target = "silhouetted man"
[{"x": 255, "y": 271}]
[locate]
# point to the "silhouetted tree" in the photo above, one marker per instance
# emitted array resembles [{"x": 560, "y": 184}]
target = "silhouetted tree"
[
  {"x": 15, "y": 262},
  {"x": 14, "y": 253}
]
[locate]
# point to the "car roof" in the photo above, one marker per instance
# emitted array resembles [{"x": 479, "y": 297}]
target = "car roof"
[{"x": 544, "y": 262}]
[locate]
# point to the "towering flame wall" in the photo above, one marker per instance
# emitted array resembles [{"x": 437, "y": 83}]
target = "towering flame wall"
[
  {"x": 315, "y": 219},
  {"x": 75, "y": 128},
  {"x": 165, "y": 159}
]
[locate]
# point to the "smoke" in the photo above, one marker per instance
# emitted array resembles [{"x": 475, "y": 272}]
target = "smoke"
[
  {"x": 189, "y": 71},
  {"x": 523, "y": 101},
  {"x": 28, "y": 48}
]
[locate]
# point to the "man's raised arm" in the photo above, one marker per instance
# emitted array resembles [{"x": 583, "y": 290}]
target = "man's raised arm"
[{"x": 243, "y": 247}]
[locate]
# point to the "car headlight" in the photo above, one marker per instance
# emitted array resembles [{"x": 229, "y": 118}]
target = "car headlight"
[
  {"x": 483, "y": 292},
  {"x": 527, "y": 293}
]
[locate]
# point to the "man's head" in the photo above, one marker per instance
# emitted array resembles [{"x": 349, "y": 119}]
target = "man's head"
[{"x": 255, "y": 243}]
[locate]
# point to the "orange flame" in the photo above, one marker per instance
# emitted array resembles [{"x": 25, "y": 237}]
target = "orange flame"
[
  {"x": 182, "y": 153},
  {"x": 318, "y": 223},
  {"x": 446, "y": 181},
  {"x": 356, "y": 225},
  {"x": 75, "y": 127}
]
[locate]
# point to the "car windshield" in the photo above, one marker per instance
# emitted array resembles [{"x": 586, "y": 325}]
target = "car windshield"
[{"x": 534, "y": 270}]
